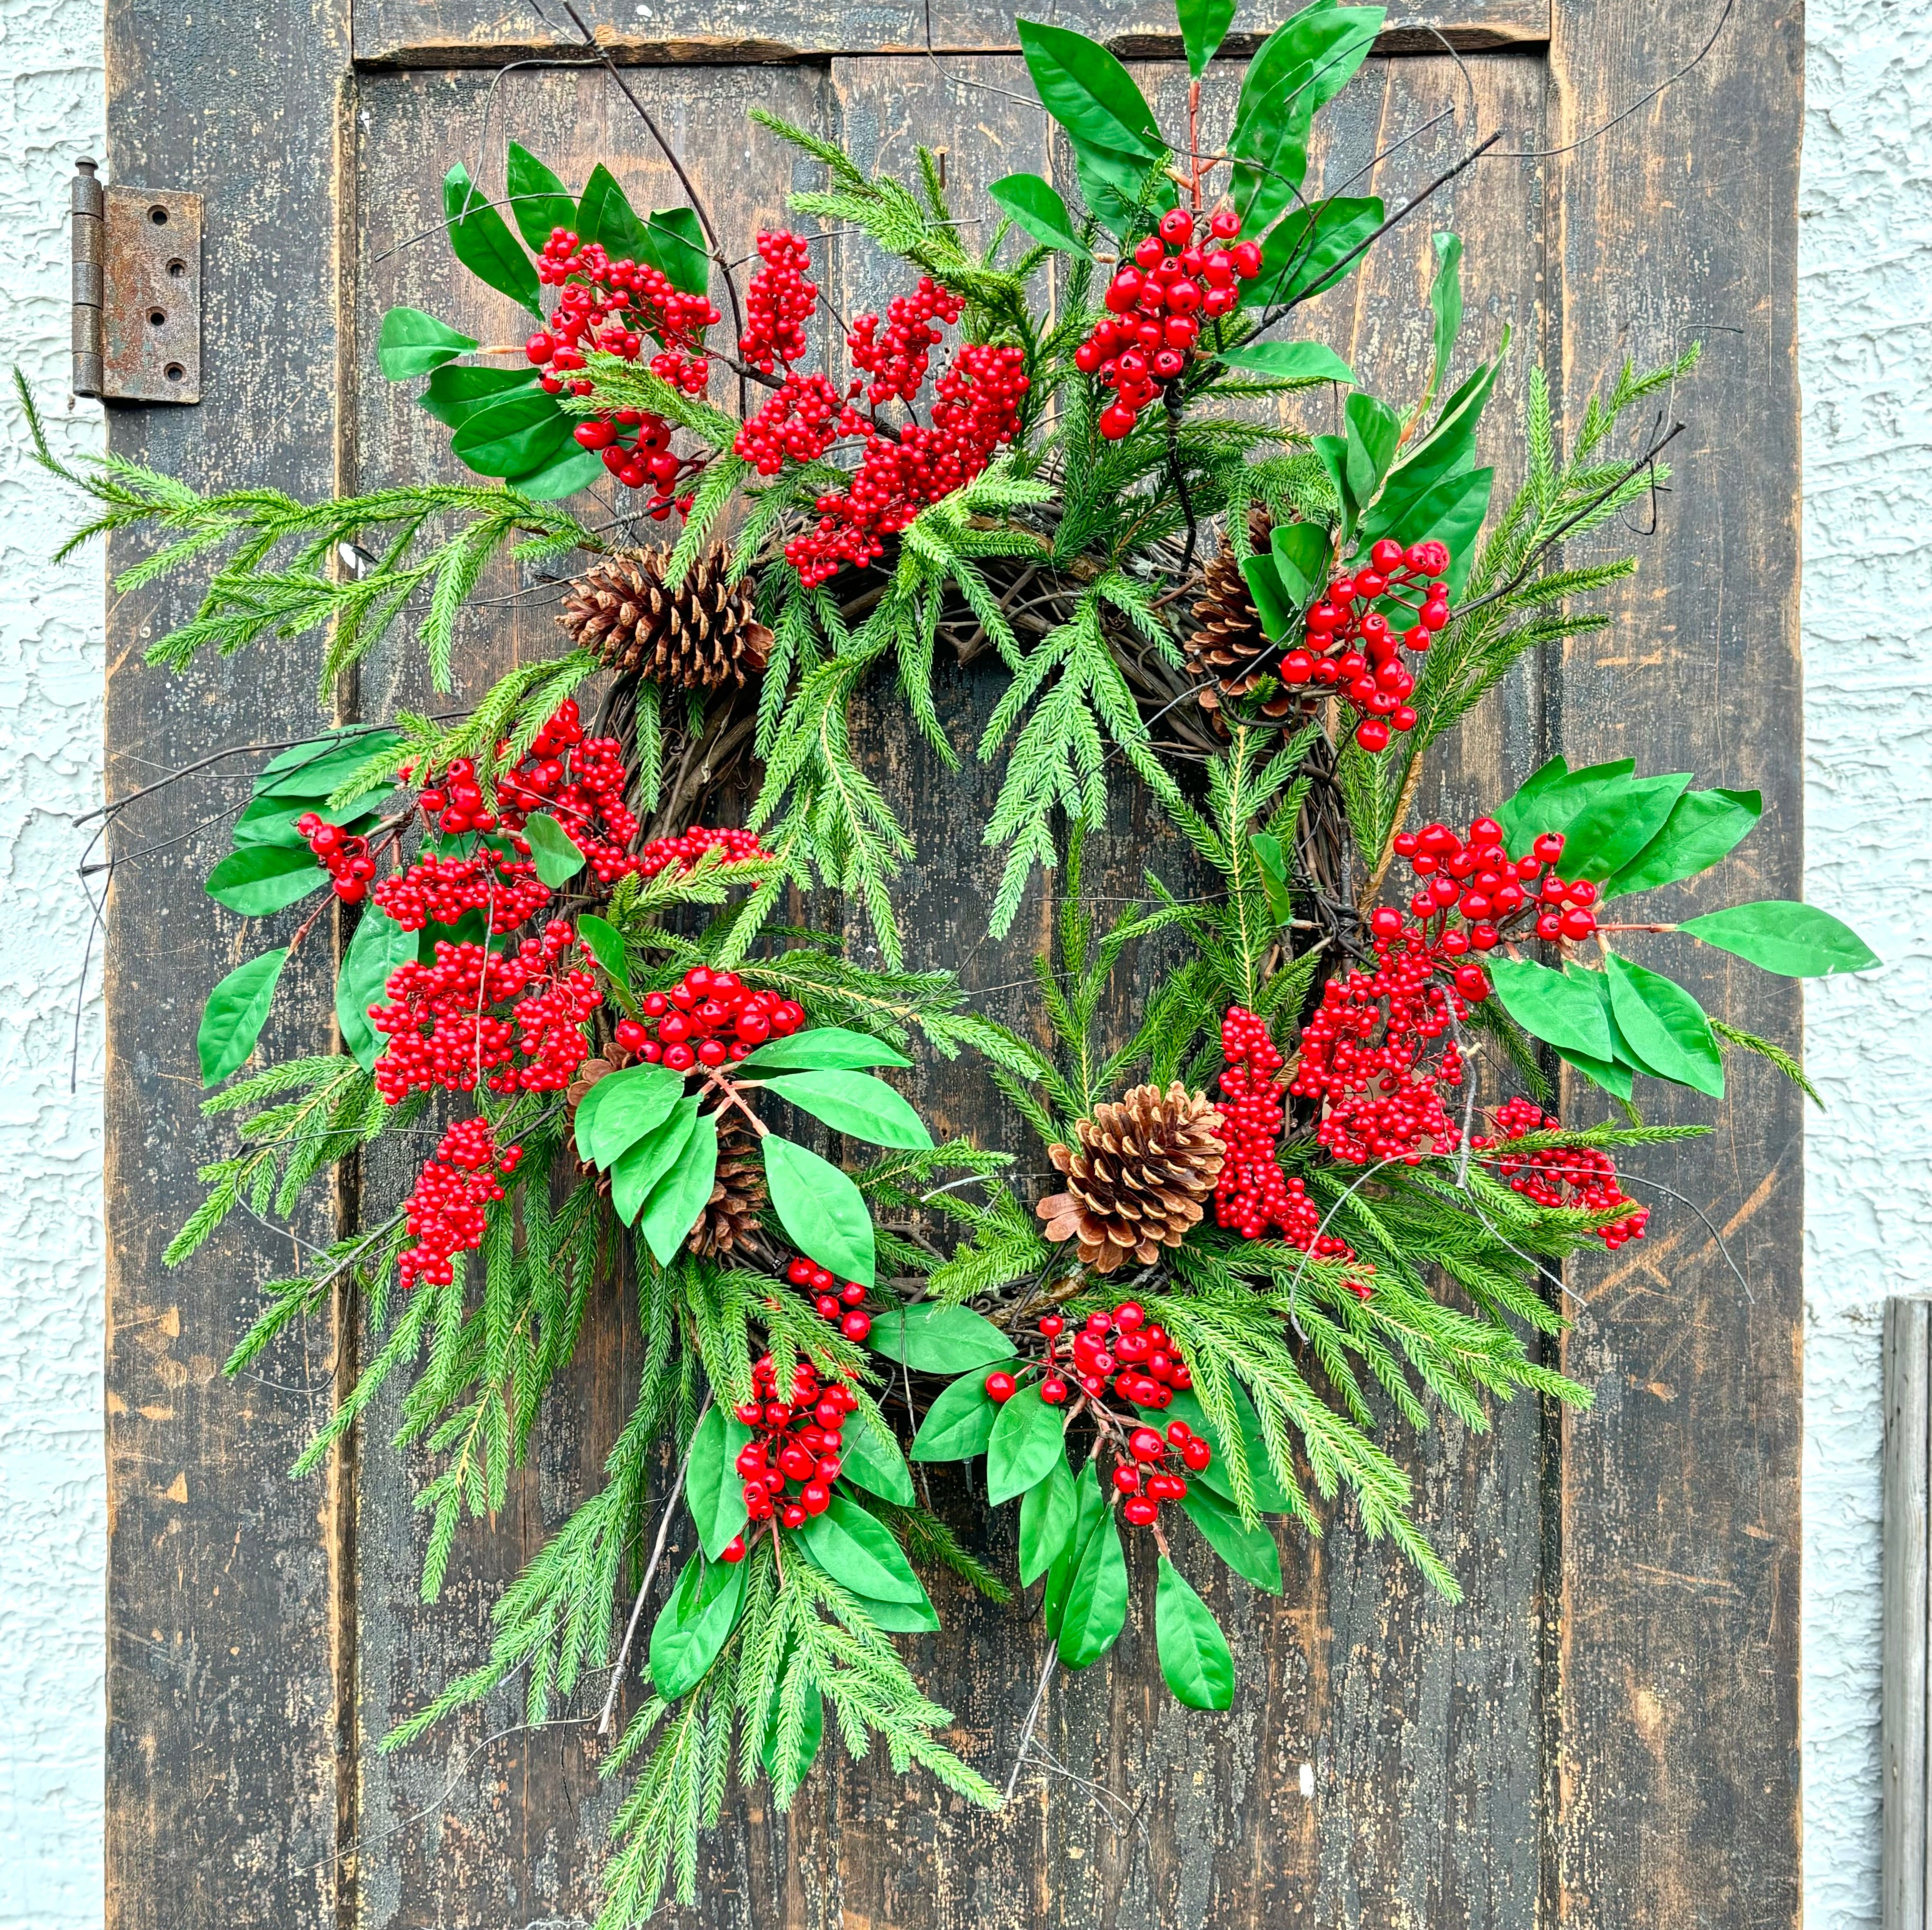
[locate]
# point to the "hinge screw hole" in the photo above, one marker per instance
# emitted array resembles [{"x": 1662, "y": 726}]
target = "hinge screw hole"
[
  {"x": 177, "y": 269},
  {"x": 175, "y": 372},
  {"x": 156, "y": 317},
  {"x": 158, "y": 215}
]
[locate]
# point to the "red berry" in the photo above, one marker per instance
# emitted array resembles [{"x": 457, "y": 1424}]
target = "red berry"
[{"x": 1000, "y": 1385}]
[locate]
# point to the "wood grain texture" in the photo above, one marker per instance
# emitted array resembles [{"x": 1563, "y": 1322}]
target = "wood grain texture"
[
  {"x": 221, "y": 1765},
  {"x": 1907, "y": 1672},
  {"x": 1679, "y": 1753}
]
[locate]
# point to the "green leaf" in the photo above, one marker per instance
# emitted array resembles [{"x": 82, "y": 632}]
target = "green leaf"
[
  {"x": 313, "y": 769},
  {"x": 821, "y": 1209},
  {"x": 1550, "y": 797},
  {"x": 1664, "y": 1027},
  {"x": 672, "y": 242},
  {"x": 1329, "y": 43},
  {"x": 260, "y": 878},
  {"x": 1096, "y": 1610},
  {"x": 623, "y": 1107},
  {"x": 1374, "y": 435},
  {"x": 1614, "y": 1078},
  {"x": 1194, "y": 1656},
  {"x": 1445, "y": 302},
  {"x": 932, "y": 1339},
  {"x": 413, "y": 343},
  {"x": 1619, "y": 820},
  {"x": 1090, "y": 1510},
  {"x": 607, "y": 947},
  {"x": 1305, "y": 252},
  {"x": 1252, "y": 1553},
  {"x": 1204, "y": 26},
  {"x": 379, "y": 947},
  {"x": 1048, "y": 1511},
  {"x": 1279, "y": 610},
  {"x": 854, "y": 1103},
  {"x": 558, "y": 860},
  {"x": 679, "y": 1196},
  {"x": 1089, "y": 92},
  {"x": 272, "y": 820},
  {"x": 714, "y": 1491},
  {"x": 1552, "y": 1005},
  {"x": 823, "y": 1046},
  {"x": 811, "y": 1733},
  {"x": 1302, "y": 553},
  {"x": 902, "y": 1618},
  {"x": 1451, "y": 513},
  {"x": 1028, "y": 1438},
  {"x": 1036, "y": 206},
  {"x": 232, "y": 1020},
  {"x": 1703, "y": 828},
  {"x": 455, "y": 395},
  {"x": 539, "y": 202},
  {"x": 1185, "y": 1406},
  {"x": 1797, "y": 941},
  {"x": 522, "y": 432},
  {"x": 870, "y": 1457},
  {"x": 852, "y": 1546},
  {"x": 1274, "y": 863},
  {"x": 959, "y": 1423},
  {"x": 605, "y": 216},
  {"x": 1272, "y": 155},
  {"x": 638, "y": 1172},
  {"x": 1421, "y": 486},
  {"x": 1290, "y": 361},
  {"x": 484, "y": 245},
  {"x": 561, "y": 475},
  {"x": 695, "y": 1624}
]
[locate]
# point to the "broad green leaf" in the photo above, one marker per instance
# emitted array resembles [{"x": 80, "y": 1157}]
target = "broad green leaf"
[
  {"x": 272, "y": 820},
  {"x": 1274, "y": 863},
  {"x": 932, "y": 1339},
  {"x": 607, "y": 947},
  {"x": 1614, "y": 1078},
  {"x": 1552, "y": 1005},
  {"x": 484, "y": 244},
  {"x": 1703, "y": 828},
  {"x": 1096, "y": 1609},
  {"x": 604, "y": 215},
  {"x": 1048, "y": 1511},
  {"x": 1122, "y": 190},
  {"x": 853, "y": 1546},
  {"x": 1664, "y": 1027},
  {"x": 714, "y": 1491},
  {"x": 563, "y": 474},
  {"x": 1445, "y": 303},
  {"x": 679, "y": 1196},
  {"x": 558, "y": 860},
  {"x": 1089, "y": 92},
  {"x": 959, "y": 1424},
  {"x": 1028, "y": 1438},
  {"x": 1618, "y": 822},
  {"x": 313, "y": 769},
  {"x": 1252, "y": 1553},
  {"x": 637, "y": 1171},
  {"x": 232, "y": 1020},
  {"x": 695, "y": 1624},
  {"x": 1036, "y": 206},
  {"x": 1091, "y": 1509},
  {"x": 1204, "y": 26},
  {"x": 1374, "y": 432},
  {"x": 1550, "y": 797},
  {"x": 1272, "y": 156},
  {"x": 1194, "y": 1656},
  {"x": 623, "y": 1107},
  {"x": 1279, "y": 610},
  {"x": 1797, "y": 941},
  {"x": 823, "y": 1046},
  {"x": 1185, "y": 1406},
  {"x": 1445, "y": 452},
  {"x": 820, "y": 1207},
  {"x": 902, "y": 1618},
  {"x": 1290, "y": 361},
  {"x": 1302, "y": 553},
  {"x": 260, "y": 878},
  {"x": 672, "y": 242},
  {"x": 379, "y": 947},
  {"x": 456, "y": 393},
  {"x": 1451, "y": 513},
  {"x": 413, "y": 343},
  {"x": 522, "y": 432},
  {"x": 854, "y": 1103},
  {"x": 870, "y": 1457},
  {"x": 539, "y": 202},
  {"x": 1312, "y": 249},
  {"x": 1317, "y": 50},
  {"x": 786, "y": 1776}
]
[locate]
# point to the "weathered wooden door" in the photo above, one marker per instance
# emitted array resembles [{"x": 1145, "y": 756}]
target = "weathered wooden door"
[{"x": 1605, "y": 1732}]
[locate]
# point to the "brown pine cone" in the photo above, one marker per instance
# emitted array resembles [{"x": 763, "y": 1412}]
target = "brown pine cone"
[
  {"x": 696, "y": 636},
  {"x": 1230, "y": 653},
  {"x": 1138, "y": 1178},
  {"x": 730, "y": 1216}
]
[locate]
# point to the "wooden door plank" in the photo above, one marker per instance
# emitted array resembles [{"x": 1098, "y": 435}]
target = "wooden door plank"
[
  {"x": 222, "y": 1794},
  {"x": 1907, "y": 1610},
  {"x": 1679, "y": 1734}
]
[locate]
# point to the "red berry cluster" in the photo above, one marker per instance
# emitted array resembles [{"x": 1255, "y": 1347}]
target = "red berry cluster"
[
  {"x": 445, "y": 1211},
  {"x": 350, "y": 867},
  {"x": 798, "y": 423},
  {"x": 1583, "y": 1177},
  {"x": 841, "y": 1304},
  {"x": 1497, "y": 897},
  {"x": 778, "y": 302},
  {"x": 438, "y": 891},
  {"x": 1146, "y": 1477},
  {"x": 897, "y": 360},
  {"x": 474, "y": 1014},
  {"x": 1137, "y": 1366},
  {"x": 1156, "y": 303},
  {"x": 706, "y": 1018},
  {"x": 792, "y": 1460},
  {"x": 1350, "y": 646},
  {"x": 737, "y": 847}
]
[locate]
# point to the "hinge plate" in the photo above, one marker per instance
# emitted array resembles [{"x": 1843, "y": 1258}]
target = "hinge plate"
[{"x": 137, "y": 292}]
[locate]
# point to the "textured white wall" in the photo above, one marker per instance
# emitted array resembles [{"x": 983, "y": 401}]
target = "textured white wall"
[
  {"x": 1865, "y": 298},
  {"x": 52, "y": 1493}
]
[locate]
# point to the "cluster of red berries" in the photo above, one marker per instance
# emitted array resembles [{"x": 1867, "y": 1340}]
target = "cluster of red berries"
[
  {"x": 842, "y": 1304},
  {"x": 453, "y": 1192},
  {"x": 1350, "y": 646},
  {"x": 778, "y": 301},
  {"x": 792, "y": 1460},
  {"x": 897, "y": 360},
  {"x": 474, "y": 1014},
  {"x": 1583, "y": 1177},
  {"x": 438, "y": 891},
  {"x": 1476, "y": 878},
  {"x": 735, "y": 847},
  {"x": 1137, "y": 1366},
  {"x": 1156, "y": 303},
  {"x": 349, "y": 866},
  {"x": 706, "y": 1018},
  {"x": 797, "y": 424}
]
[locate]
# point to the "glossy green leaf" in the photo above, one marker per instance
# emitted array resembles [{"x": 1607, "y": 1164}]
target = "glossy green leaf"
[
  {"x": 902, "y": 1618},
  {"x": 853, "y": 1546},
  {"x": 1123, "y": 191},
  {"x": 1096, "y": 1609},
  {"x": 1290, "y": 361},
  {"x": 932, "y": 1339},
  {"x": 959, "y": 1423},
  {"x": 455, "y": 394},
  {"x": 854, "y": 1103},
  {"x": 1036, "y": 206},
  {"x": 1613, "y": 1077},
  {"x": 413, "y": 343},
  {"x": 1185, "y": 1406},
  {"x": 1089, "y": 92},
  {"x": 604, "y": 215},
  {"x": 272, "y": 820},
  {"x": 672, "y": 242},
  {"x": 1617, "y": 822},
  {"x": 1315, "y": 53},
  {"x": 1312, "y": 249},
  {"x": 1252, "y": 1553},
  {"x": 695, "y": 1624},
  {"x": 379, "y": 947},
  {"x": 1280, "y": 610},
  {"x": 607, "y": 947},
  {"x": 1425, "y": 475},
  {"x": 821, "y": 1046},
  {"x": 482, "y": 242},
  {"x": 1028, "y": 1438},
  {"x": 1374, "y": 433},
  {"x": 565, "y": 473},
  {"x": 1445, "y": 304},
  {"x": 1797, "y": 941},
  {"x": 260, "y": 878},
  {"x": 819, "y": 1207},
  {"x": 623, "y": 1107},
  {"x": 522, "y": 432},
  {"x": 558, "y": 860},
  {"x": 232, "y": 1019},
  {"x": 539, "y": 202},
  {"x": 1048, "y": 1511},
  {"x": 1551, "y": 797},
  {"x": 637, "y": 1172},
  {"x": 1664, "y": 1027},
  {"x": 1302, "y": 553},
  {"x": 714, "y": 1491},
  {"x": 1204, "y": 26},
  {"x": 1273, "y": 864},
  {"x": 1194, "y": 1656},
  {"x": 313, "y": 769},
  {"x": 1703, "y": 828},
  {"x": 1451, "y": 513},
  {"x": 1551, "y": 1005},
  {"x": 1272, "y": 157},
  {"x": 787, "y": 1776},
  {"x": 1090, "y": 1510},
  {"x": 870, "y": 1457},
  {"x": 679, "y": 1196}
]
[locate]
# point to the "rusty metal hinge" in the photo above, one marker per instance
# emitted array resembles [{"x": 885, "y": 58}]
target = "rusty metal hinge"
[{"x": 136, "y": 291}]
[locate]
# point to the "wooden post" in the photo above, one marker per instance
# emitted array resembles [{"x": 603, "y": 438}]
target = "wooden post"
[{"x": 1908, "y": 1610}]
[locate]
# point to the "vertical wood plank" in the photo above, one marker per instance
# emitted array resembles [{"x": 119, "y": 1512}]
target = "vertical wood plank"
[{"x": 1908, "y": 1603}]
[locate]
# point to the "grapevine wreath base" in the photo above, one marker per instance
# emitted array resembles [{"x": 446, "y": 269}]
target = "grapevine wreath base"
[{"x": 1316, "y": 1175}]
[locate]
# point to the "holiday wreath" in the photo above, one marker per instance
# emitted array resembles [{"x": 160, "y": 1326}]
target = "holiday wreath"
[{"x": 1280, "y": 1197}]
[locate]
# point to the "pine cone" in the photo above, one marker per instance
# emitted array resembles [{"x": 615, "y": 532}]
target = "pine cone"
[
  {"x": 730, "y": 1216},
  {"x": 1136, "y": 1182},
  {"x": 702, "y": 633},
  {"x": 1230, "y": 653}
]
